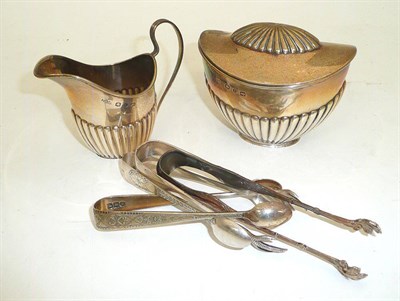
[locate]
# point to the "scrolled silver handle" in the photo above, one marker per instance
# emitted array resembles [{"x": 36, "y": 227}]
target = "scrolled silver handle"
[{"x": 157, "y": 49}]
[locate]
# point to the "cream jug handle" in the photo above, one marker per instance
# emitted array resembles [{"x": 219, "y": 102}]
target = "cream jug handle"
[{"x": 157, "y": 49}]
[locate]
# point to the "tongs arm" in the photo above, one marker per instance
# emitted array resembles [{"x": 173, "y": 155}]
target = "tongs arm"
[
  {"x": 245, "y": 187},
  {"x": 177, "y": 159}
]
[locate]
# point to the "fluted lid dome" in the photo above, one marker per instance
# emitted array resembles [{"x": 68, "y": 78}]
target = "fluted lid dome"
[
  {"x": 275, "y": 38},
  {"x": 273, "y": 54}
]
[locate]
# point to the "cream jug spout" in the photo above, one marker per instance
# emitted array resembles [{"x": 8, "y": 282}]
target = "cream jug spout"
[{"x": 49, "y": 66}]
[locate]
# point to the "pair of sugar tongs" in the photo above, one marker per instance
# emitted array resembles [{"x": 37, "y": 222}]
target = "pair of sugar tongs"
[
  {"x": 122, "y": 212},
  {"x": 178, "y": 159},
  {"x": 157, "y": 149}
]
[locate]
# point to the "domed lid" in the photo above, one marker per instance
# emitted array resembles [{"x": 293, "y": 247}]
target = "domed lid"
[{"x": 273, "y": 54}]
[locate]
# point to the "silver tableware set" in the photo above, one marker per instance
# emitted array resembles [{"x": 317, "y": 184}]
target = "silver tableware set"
[{"x": 272, "y": 82}]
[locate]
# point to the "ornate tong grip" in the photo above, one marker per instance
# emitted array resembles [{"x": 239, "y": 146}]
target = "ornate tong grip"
[
  {"x": 112, "y": 213},
  {"x": 157, "y": 49}
]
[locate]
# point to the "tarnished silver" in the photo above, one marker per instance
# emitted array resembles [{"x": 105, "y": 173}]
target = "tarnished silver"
[
  {"x": 177, "y": 159},
  {"x": 246, "y": 188},
  {"x": 151, "y": 168},
  {"x": 119, "y": 213},
  {"x": 263, "y": 215},
  {"x": 139, "y": 169},
  {"x": 238, "y": 184},
  {"x": 274, "y": 82}
]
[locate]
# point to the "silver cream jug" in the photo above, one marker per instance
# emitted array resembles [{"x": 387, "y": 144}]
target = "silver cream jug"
[{"x": 114, "y": 106}]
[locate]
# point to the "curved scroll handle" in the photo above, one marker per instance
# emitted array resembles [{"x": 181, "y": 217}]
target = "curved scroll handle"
[{"x": 157, "y": 49}]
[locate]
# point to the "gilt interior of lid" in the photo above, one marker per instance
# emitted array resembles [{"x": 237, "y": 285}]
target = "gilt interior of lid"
[{"x": 274, "y": 54}]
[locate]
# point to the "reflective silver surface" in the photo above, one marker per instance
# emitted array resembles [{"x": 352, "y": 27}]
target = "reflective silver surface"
[
  {"x": 153, "y": 151},
  {"x": 114, "y": 106}
]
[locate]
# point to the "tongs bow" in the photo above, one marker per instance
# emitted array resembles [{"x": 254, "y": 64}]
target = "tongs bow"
[{"x": 151, "y": 168}]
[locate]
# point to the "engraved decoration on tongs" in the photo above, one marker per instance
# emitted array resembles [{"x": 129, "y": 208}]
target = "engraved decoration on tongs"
[
  {"x": 140, "y": 169},
  {"x": 154, "y": 167},
  {"x": 226, "y": 232},
  {"x": 121, "y": 213}
]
